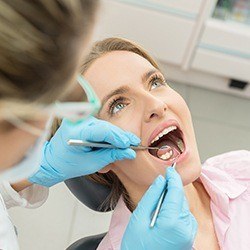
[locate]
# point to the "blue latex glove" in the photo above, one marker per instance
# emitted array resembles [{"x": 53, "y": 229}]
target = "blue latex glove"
[
  {"x": 61, "y": 161},
  {"x": 175, "y": 227}
]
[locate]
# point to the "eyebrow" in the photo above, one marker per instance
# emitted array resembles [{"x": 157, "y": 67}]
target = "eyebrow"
[
  {"x": 125, "y": 89},
  {"x": 120, "y": 90},
  {"x": 148, "y": 74}
]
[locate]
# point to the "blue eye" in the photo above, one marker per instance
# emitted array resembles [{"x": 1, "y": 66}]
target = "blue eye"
[
  {"x": 118, "y": 107},
  {"x": 156, "y": 84}
]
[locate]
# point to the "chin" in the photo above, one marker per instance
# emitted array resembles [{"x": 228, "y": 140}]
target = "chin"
[{"x": 189, "y": 169}]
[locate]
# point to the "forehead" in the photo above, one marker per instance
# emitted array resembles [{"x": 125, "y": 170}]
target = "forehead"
[{"x": 115, "y": 69}]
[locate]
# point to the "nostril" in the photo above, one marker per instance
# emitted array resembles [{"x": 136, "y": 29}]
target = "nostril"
[{"x": 152, "y": 115}]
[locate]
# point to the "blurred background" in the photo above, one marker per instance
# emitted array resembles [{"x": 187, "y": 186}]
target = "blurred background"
[{"x": 204, "y": 50}]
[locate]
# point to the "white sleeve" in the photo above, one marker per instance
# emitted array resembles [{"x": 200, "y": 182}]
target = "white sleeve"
[{"x": 31, "y": 197}]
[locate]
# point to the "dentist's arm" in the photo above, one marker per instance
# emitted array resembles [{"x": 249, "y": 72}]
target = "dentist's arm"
[
  {"x": 175, "y": 228},
  {"x": 61, "y": 161}
]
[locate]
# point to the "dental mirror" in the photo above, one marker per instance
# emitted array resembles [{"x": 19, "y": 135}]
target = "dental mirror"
[{"x": 164, "y": 152}]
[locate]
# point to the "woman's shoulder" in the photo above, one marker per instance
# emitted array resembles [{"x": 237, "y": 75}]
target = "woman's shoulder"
[
  {"x": 235, "y": 163},
  {"x": 105, "y": 244}
]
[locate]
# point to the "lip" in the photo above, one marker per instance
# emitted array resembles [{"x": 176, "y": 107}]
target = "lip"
[{"x": 158, "y": 130}]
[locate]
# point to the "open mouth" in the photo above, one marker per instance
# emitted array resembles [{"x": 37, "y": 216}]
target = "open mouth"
[{"x": 171, "y": 144}]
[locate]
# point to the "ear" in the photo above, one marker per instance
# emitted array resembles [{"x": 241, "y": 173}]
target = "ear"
[{"x": 106, "y": 169}]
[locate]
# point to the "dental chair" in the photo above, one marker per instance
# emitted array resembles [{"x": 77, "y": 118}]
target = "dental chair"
[{"x": 92, "y": 195}]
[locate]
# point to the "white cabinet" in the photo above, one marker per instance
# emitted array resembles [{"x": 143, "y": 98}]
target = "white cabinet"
[
  {"x": 166, "y": 35},
  {"x": 182, "y": 34},
  {"x": 224, "y": 50},
  {"x": 187, "y": 9},
  {"x": 191, "y": 7}
]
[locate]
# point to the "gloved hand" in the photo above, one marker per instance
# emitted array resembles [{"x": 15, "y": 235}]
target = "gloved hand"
[
  {"x": 61, "y": 161},
  {"x": 175, "y": 227}
]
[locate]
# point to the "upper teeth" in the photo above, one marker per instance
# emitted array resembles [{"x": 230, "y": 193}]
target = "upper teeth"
[{"x": 164, "y": 132}]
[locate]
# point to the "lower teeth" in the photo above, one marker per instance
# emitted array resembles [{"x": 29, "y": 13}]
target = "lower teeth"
[
  {"x": 167, "y": 156},
  {"x": 169, "y": 149}
]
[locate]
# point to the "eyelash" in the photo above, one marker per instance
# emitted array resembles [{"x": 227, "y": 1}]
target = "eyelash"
[
  {"x": 121, "y": 99},
  {"x": 113, "y": 103},
  {"x": 157, "y": 77}
]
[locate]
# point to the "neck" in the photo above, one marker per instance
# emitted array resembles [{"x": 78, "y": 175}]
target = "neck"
[
  {"x": 135, "y": 195},
  {"x": 199, "y": 201},
  {"x": 197, "y": 197}
]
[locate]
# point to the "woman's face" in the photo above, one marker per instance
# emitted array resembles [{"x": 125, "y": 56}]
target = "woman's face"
[
  {"x": 136, "y": 99},
  {"x": 16, "y": 142}
]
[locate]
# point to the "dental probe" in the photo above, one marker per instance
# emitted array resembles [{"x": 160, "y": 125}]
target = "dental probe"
[
  {"x": 73, "y": 142},
  {"x": 160, "y": 201}
]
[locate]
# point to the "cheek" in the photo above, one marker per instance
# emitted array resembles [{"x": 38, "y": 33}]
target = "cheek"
[
  {"x": 141, "y": 171},
  {"x": 179, "y": 106},
  {"x": 124, "y": 122},
  {"x": 131, "y": 173},
  {"x": 23, "y": 142},
  {"x": 176, "y": 104}
]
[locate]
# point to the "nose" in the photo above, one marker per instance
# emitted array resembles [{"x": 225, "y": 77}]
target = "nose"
[{"x": 154, "y": 108}]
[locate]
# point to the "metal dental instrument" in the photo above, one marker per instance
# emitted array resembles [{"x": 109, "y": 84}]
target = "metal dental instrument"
[
  {"x": 73, "y": 142},
  {"x": 160, "y": 201}
]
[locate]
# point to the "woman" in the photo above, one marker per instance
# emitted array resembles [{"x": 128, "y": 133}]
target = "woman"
[
  {"x": 41, "y": 48},
  {"x": 136, "y": 97}
]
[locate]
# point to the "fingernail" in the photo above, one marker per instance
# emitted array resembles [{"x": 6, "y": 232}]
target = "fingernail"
[
  {"x": 169, "y": 170},
  {"x": 160, "y": 179},
  {"x": 125, "y": 141}
]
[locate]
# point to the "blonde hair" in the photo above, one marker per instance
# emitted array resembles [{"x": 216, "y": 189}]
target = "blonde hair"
[
  {"x": 109, "y": 179},
  {"x": 40, "y": 44}
]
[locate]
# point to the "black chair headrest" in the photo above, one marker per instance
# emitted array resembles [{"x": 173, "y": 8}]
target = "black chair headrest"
[
  {"x": 89, "y": 243},
  {"x": 88, "y": 192}
]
